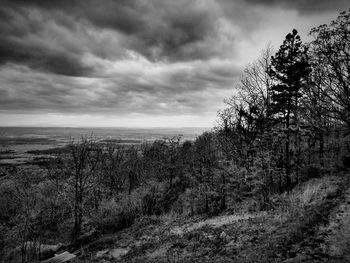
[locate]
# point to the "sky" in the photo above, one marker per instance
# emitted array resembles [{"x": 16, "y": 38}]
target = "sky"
[{"x": 137, "y": 63}]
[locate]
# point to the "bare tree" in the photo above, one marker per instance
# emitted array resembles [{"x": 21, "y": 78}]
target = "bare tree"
[
  {"x": 331, "y": 52},
  {"x": 113, "y": 161},
  {"x": 247, "y": 114},
  {"x": 82, "y": 167}
]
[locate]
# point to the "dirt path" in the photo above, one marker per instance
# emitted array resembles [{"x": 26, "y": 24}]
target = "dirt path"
[
  {"x": 331, "y": 241},
  {"x": 338, "y": 239}
]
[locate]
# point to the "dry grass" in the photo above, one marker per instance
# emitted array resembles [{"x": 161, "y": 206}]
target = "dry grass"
[
  {"x": 214, "y": 222},
  {"x": 314, "y": 191}
]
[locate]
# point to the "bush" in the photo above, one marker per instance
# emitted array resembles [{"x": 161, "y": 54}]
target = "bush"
[
  {"x": 113, "y": 216},
  {"x": 198, "y": 201},
  {"x": 154, "y": 201},
  {"x": 159, "y": 199}
]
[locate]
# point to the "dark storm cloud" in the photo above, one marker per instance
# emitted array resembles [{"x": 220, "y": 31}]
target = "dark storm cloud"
[
  {"x": 159, "y": 29},
  {"x": 306, "y": 6},
  {"x": 20, "y": 42},
  {"x": 42, "y": 58}
]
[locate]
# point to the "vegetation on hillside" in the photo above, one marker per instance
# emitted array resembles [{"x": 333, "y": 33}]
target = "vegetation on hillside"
[{"x": 287, "y": 122}]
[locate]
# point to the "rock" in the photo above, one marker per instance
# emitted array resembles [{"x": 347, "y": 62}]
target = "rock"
[
  {"x": 101, "y": 254},
  {"x": 117, "y": 253},
  {"x": 32, "y": 248},
  {"x": 158, "y": 253},
  {"x": 61, "y": 258}
]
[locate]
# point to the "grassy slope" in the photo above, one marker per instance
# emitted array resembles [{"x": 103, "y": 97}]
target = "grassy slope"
[{"x": 307, "y": 225}]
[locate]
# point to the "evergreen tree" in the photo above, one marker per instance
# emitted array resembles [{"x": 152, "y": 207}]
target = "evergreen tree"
[{"x": 289, "y": 71}]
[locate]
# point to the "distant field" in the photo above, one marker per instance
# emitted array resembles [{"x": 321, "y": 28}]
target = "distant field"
[{"x": 20, "y": 145}]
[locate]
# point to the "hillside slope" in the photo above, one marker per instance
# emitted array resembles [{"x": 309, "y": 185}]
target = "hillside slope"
[{"x": 309, "y": 224}]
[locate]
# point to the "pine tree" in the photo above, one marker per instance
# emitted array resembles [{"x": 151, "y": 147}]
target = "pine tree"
[{"x": 289, "y": 71}]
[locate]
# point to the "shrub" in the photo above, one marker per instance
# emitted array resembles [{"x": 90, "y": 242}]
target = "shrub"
[
  {"x": 198, "y": 201},
  {"x": 159, "y": 199},
  {"x": 113, "y": 216},
  {"x": 153, "y": 202},
  {"x": 315, "y": 191}
]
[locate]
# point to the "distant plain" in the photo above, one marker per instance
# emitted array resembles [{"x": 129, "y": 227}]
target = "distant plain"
[{"x": 17, "y": 144}]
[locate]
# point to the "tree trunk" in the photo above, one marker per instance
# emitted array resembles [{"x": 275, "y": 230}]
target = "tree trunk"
[
  {"x": 321, "y": 150},
  {"x": 76, "y": 210},
  {"x": 287, "y": 160},
  {"x": 223, "y": 193}
]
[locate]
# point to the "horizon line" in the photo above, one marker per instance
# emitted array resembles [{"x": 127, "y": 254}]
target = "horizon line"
[{"x": 111, "y": 127}]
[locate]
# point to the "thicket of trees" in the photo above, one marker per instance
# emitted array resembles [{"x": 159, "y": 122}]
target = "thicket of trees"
[
  {"x": 292, "y": 108},
  {"x": 288, "y": 120}
]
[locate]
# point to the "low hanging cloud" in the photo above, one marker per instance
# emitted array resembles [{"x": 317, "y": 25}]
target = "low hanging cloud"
[{"x": 146, "y": 89}]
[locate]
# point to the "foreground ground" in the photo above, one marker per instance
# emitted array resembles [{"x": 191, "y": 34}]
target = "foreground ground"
[{"x": 310, "y": 224}]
